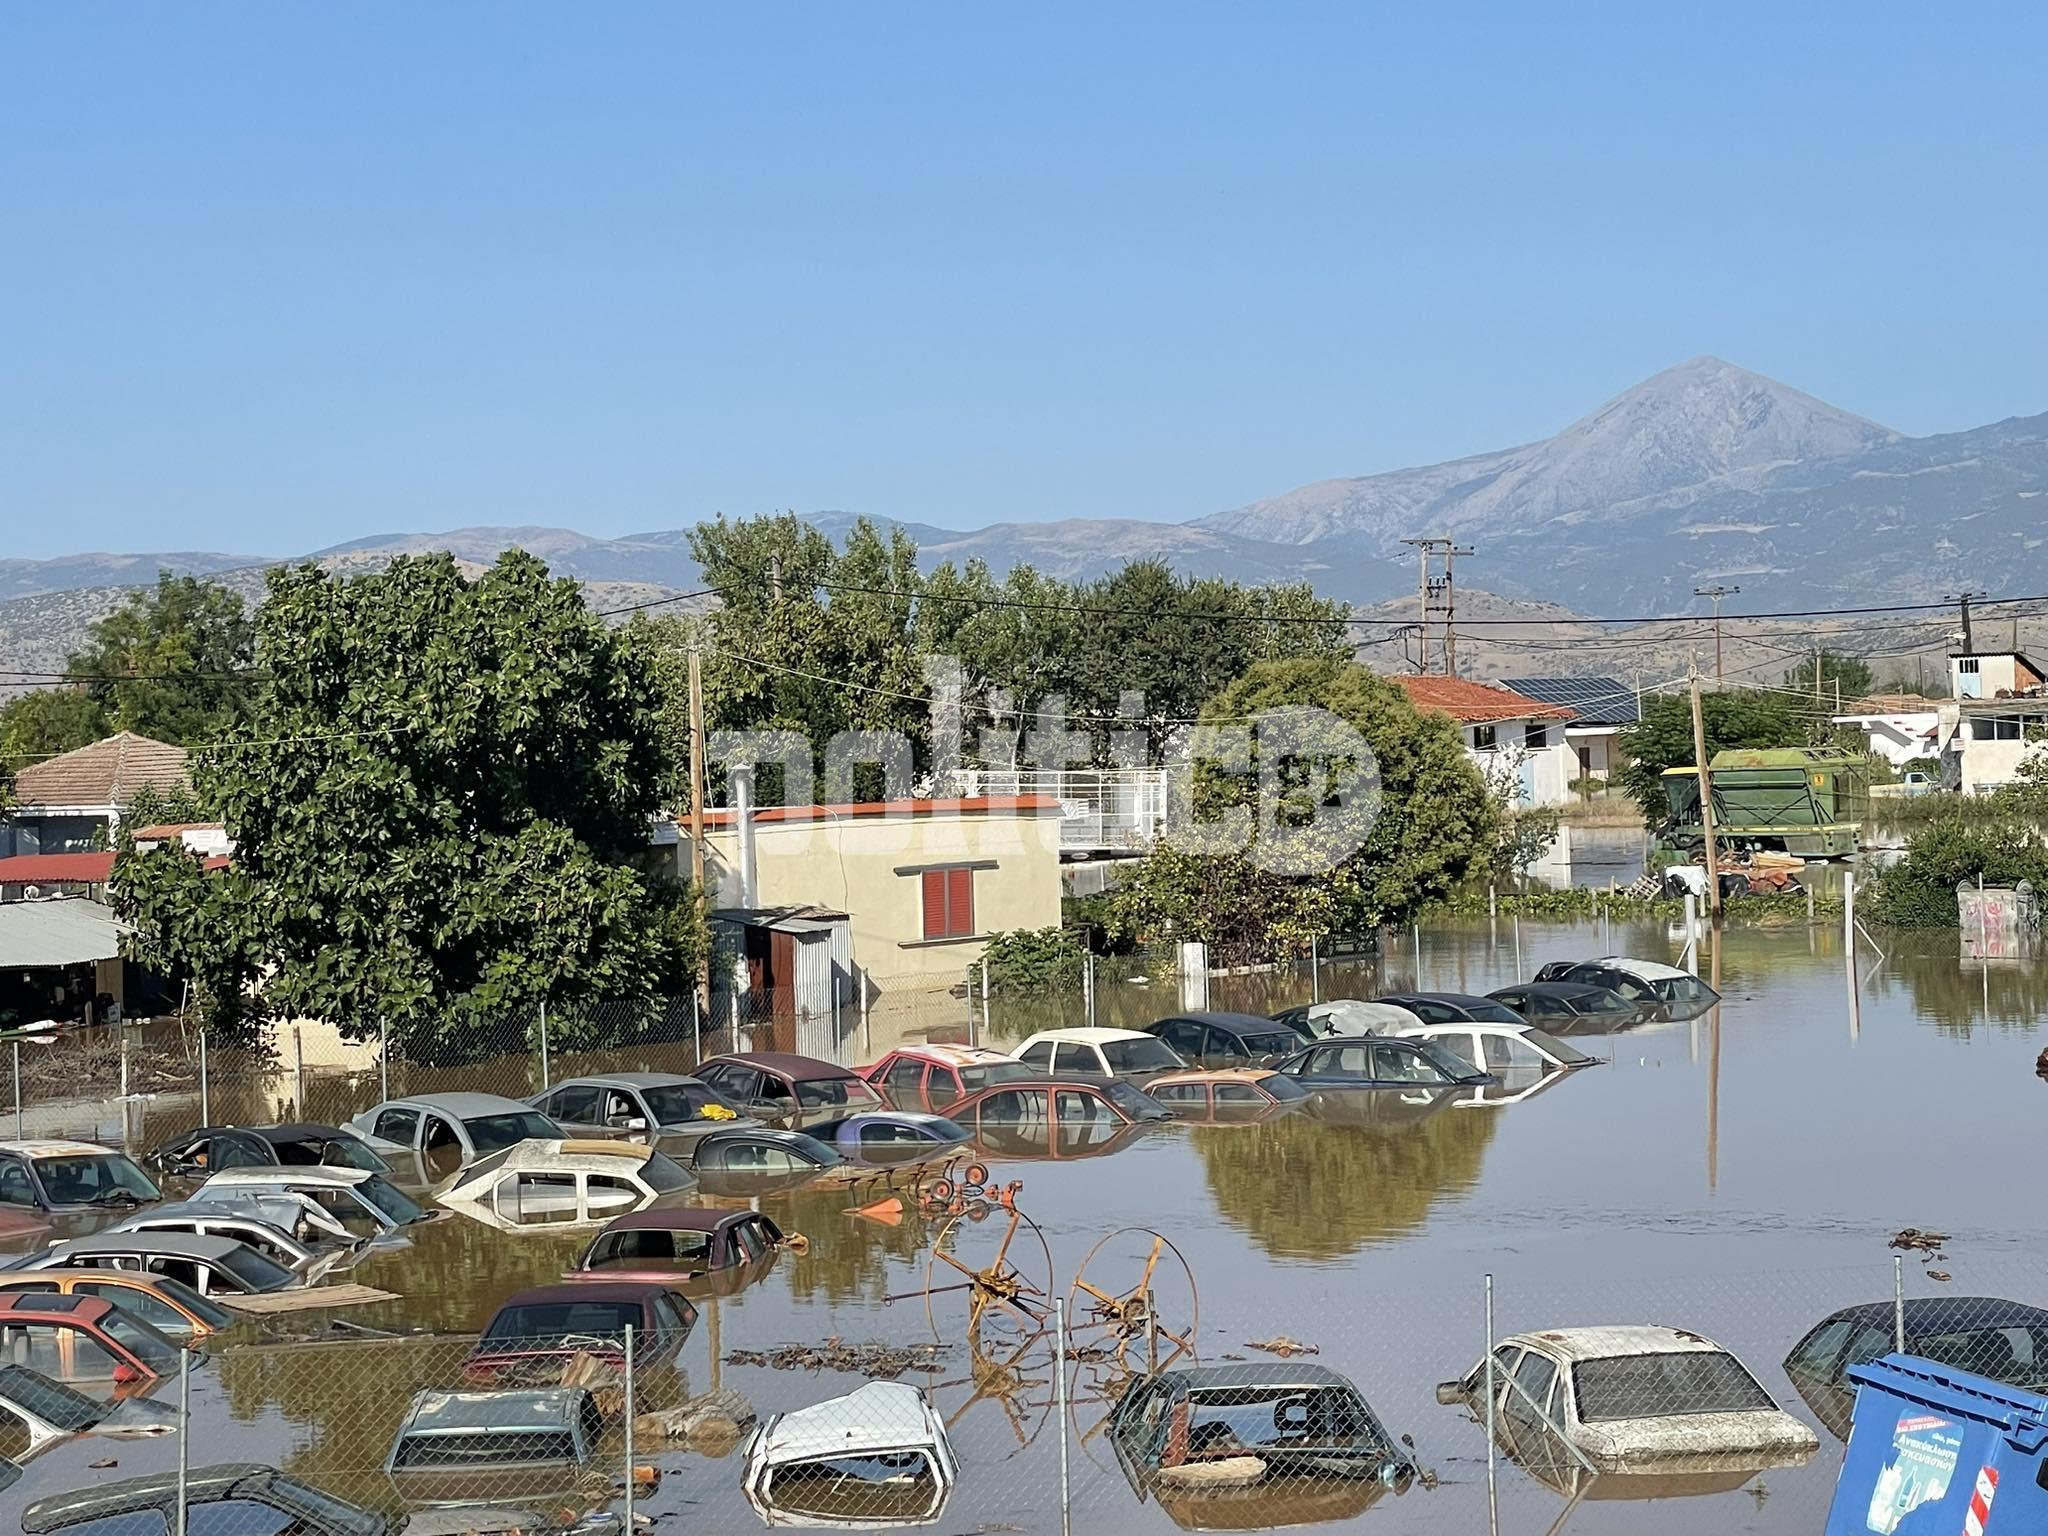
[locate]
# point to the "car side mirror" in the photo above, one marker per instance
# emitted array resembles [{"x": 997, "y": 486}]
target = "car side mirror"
[
  {"x": 1450, "y": 1393},
  {"x": 632, "y": 1123}
]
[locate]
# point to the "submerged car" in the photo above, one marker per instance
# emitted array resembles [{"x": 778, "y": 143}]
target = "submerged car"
[
  {"x": 1504, "y": 1048},
  {"x": 673, "y": 1245},
  {"x": 2004, "y": 1340},
  {"x": 1225, "y": 1094},
  {"x": 878, "y": 1457},
  {"x": 1378, "y": 1062},
  {"x": 446, "y": 1131},
  {"x": 462, "y": 1447},
  {"x": 663, "y": 1106},
  {"x": 212, "y": 1266},
  {"x": 1225, "y": 1039},
  {"x": 1454, "y": 1008},
  {"x": 1129, "y": 1054},
  {"x": 788, "y": 1089},
  {"x": 1651, "y": 984},
  {"x": 82, "y": 1338},
  {"x": 1570, "y": 1007},
  {"x": 357, "y": 1198},
  {"x": 890, "y": 1138},
  {"x": 71, "y": 1178},
  {"x": 559, "y": 1183},
  {"x": 37, "y": 1412},
  {"x": 1224, "y": 1446},
  {"x": 1056, "y": 1117},
  {"x": 199, "y": 1218},
  {"x": 537, "y": 1332},
  {"x": 229, "y": 1499},
  {"x": 171, "y": 1307},
  {"x": 1346, "y": 1016},
  {"x": 1630, "y": 1398},
  {"x": 933, "y": 1076},
  {"x": 213, "y": 1148}
]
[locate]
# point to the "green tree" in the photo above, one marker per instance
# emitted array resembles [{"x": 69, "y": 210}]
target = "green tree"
[
  {"x": 1920, "y": 890},
  {"x": 42, "y": 724},
  {"x": 1841, "y": 672},
  {"x": 440, "y": 812},
  {"x": 1741, "y": 717},
  {"x": 168, "y": 663}
]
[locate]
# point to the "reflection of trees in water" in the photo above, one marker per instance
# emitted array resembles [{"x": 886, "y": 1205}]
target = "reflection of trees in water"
[
  {"x": 1959, "y": 998},
  {"x": 850, "y": 1258},
  {"x": 1306, "y": 1189}
]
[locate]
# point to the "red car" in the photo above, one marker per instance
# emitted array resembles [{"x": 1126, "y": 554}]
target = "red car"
[
  {"x": 787, "y": 1089},
  {"x": 538, "y": 1332},
  {"x": 931, "y": 1077},
  {"x": 82, "y": 1339}
]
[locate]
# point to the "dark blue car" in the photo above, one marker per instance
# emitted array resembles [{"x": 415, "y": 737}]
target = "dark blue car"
[{"x": 1373, "y": 1062}]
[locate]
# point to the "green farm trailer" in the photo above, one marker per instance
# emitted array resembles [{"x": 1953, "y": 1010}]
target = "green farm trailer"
[{"x": 1809, "y": 801}]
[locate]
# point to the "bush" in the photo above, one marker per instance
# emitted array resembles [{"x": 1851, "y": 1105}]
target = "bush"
[
  {"x": 1920, "y": 890},
  {"x": 1034, "y": 959}
]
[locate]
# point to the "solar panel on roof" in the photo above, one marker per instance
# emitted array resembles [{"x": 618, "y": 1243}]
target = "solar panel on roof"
[{"x": 1594, "y": 698}]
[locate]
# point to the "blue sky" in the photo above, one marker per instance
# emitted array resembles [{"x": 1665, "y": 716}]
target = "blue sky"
[{"x": 280, "y": 275}]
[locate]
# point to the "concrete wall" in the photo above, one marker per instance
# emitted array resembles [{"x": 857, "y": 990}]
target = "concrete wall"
[{"x": 1552, "y": 767}]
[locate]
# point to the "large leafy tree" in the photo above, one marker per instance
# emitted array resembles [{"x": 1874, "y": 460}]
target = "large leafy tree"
[
  {"x": 1741, "y": 717},
  {"x": 439, "y": 809},
  {"x": 171, "y": 662},
  {"x": 1840, "y": 675},
  {"x": 42, "y": 724}
]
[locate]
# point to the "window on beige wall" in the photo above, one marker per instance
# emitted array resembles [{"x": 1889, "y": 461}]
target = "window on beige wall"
[{"x": 948, "y": 903}]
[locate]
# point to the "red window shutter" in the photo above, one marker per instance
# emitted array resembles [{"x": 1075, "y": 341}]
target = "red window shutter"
[
  {"x": 960, "y": 901},
  {"x": 935, "y": 903}
]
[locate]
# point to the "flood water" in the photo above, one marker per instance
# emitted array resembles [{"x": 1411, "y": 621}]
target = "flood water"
[{"x": 1738, "y": 1175}]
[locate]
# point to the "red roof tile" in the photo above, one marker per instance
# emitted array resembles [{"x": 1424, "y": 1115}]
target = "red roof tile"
[
  {"x": 53, "y": 868},
  {"x": 106, "y": 773},
  {"x": 1475, "y": 703}
]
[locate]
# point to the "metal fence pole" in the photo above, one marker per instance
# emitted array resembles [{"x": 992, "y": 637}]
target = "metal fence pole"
[
  {"x": 1518, "y": 946},
  {"x": 696, "y": 1029},
  {"x": 122, "y": 1029},
  {"x": 384, "y": 1058},
  {"x": 205, "y": 1086},
  {"x": 184, "y": 1434},
  {"x": 1899, "y": 1302},
  {"x": 629, "y": 1430},
  {"x": 544, "y": 1084},
  {"x": 1059, "y": 1355},
  {"x": 298, "y": 1072},
  {"x": 17, "y": 1090},
  {"x": 1315, "y": 970},
  {"x": 1492, "y": 1397}
]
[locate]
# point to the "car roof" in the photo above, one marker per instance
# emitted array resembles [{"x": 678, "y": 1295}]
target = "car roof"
[
  {"x": 435, "y": 1411},
  {"x": 564, "y": 1152},
  {"x": 1460, "y": 999},
  {"x": 770, "y": 1133},
  {"x": 462, "y": 1106},
  {"x": 299, "y": 1173},
  {"x": 1557, "y": 989},
  {"x": 1947, "y": 1314},
  {"x": 90, "y": 1308},
  {"x": 1089, "y": 1035},
  {"x": 1043, "y": 1080},
  {"x": 1605, "y": 1343},
  {"x": 57, "y": 1148},
  {"x": 1647, "y": 970},
  {"x": 584, "y": 1290},
  {"x": 877, "y": 1418},
  {"x": 183, "y": 1245},
  {"x": 292, "y": 1134},
  {"x": 1234, "y": 1023},
  {"x": 224, "y": 1480},
  {"x": 1464, "y": 1027},
  {"x": 951, "y": 1055},
  {"x": 623, "y": 1080},
  {"x": 1258, "y": 1373},
  {"x": 798, "y": 1069},
  {"x": 1212, "y": 1075},
  {"x": 674, "y": 1218}
]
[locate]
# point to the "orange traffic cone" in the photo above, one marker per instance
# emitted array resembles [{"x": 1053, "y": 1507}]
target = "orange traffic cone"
[{"x": 888, "y": 1213}]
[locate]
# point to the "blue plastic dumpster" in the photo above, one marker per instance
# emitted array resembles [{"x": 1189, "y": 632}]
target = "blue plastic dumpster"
[{"x": 1936, "y": 1450}]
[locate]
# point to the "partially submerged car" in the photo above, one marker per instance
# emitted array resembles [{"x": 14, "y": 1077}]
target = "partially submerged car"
[
  {"x": 890, "y": 1138},
  {"x": 171, "y": 1307},
  {"x": 37, "y": 1412},
  {"x": 1673, "y": 993},
  {"x": 678, "y": 1245},
  {"x": 2004, "y": 1340},
  {"x": 876, "y": 1457},
  {"x": 664, "y": 1107},
  {"x": 1631, "y": 1399},
  {"x": 82, "y": 1338},
  {"x": 563, "y": 1183},
  {"x": 1505, "y": 1048},
  {"x": 199, "y": 1218},
  {"x": 760, "y": 1159},
  {"x": 933, "y": 1076},
  {"x": 536, "y": 1333},
  {"x": 1454, "y": 1008},
  {"x": 71, "y": 1178},
  {"x": 1129, "y": 1054},
  {"x": 447, "y": 1131},
  {"x": 1349, "y": 1016},
  {"x": 1249, "y": 1434},
  {"x": 1225, "y": 1039},
  {"x": 229, "y": 1499},
  {"x": 1056, "y": 1117},
  {"x": 788, "y": 1089},
  {"x": 467, "y": 1447},
  {"x": 212, "y": 1266},
  {"x": 1570, "y": 1007},
  {"x": 359, "y": 1199},
  {"x": 214, "y": 1148},
  {"x": 1226, "y": 1095},
  {"x": 1378, "y": 1062}
]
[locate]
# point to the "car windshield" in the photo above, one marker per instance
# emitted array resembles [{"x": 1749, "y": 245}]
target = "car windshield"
[
  {"x": 666, "y": 1175},
  {"x": 141, "y": 1341},
  {"x": 837, "y": 1093},
  {"x": 547, "y": 1321},
  {"x": 1285, "y": 1089},
  {"x": 1488, "y": 1011},
  {"x": 1601, "y": 1000},
  {"x": 394, "y": 1203},
  {"x": 1571, "y": 1056},
  {"x": 189, "y": 1301},
  {"x": 494, "y": 1133},
  {"x": 340, "y": 1152},
  {"x": 1125, "y": 1097},
  {"x": 100, "y": 1178},
  {"x": 1446, "y": 1060},
  {"x": 1661, "y": 1386},
  {"x": 1144, "y": 1054},
  {"x": 973, "y": 1079},
  {"x": 1683, "y": 989},
  {"x": 254, "y": 1270},
  {"x": 680, "y": 1103}
]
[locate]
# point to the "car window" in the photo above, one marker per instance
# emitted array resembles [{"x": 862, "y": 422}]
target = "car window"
[
  {"x": 760, "y": 1157},
  {"x": 1183, "y": 1035},
  {"x": 1350, "y": 1061},
  {"x": 1519, "y": 1001},
  {"x": 1078, "y": 1108},
  {"x": 884, "y": 1133},
  {"x": 15, "y": 1185},
  {"x": 1430, "y": 1012},
  {"x": 1073, "y": 1056},
  {"x": 1665, "y": 1385},
  {"x": 1179, "y": 1093},
  {"x": 1818, "y": 1351},
  {"x": 752, "y": 1243},
  {"x": 1238, "y": 1093},
  {"x": 1501, "y": 1051},
  {"x": 576, "y": 1104},
  {"x": 1529, "y": 1406},
  {"x": 136, "y": 1522},
  {"x": 397, "y": 1125},
  {"x": 773, "y": 1088},
  {"x": 132, "y": 1299},
  {"x": 238, "y": 1517},
  {"x": 1038, "y": 1053},
  {"x": 1396, "y": 1062},
  {"x": 905, "y": 1075},
  {"x": 1014, "y": 1105},
  {"x": 1870, "y": 1343},
  {"x": 1144, "y": 1054}
]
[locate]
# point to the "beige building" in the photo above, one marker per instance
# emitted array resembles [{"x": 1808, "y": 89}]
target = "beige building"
[{"x": 916, "y": 885}]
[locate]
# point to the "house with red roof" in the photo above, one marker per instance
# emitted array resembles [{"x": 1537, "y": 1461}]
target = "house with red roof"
[{"x": 1517, "y": 742}]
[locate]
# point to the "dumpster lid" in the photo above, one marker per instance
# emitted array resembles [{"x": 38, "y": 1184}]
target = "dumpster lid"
[{"x": 2021, "y": 1416}]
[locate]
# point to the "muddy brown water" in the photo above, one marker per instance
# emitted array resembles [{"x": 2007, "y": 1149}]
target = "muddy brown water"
[{"x": 1738, "y": 1175}]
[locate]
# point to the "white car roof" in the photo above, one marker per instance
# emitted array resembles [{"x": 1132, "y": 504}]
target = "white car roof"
[
  {"x": 1362, "y": 1017},
  {"x": 34, "y": 1149},
  {"x": 1648, "y": 970},
  {"x": 1085, "y": 1035},
  {"x": 1465, "y": 1027},
  {"x": 1575, "y": 1344},
  {"x": 881, "y": 1416},
  {"x": 309, "y": 1173}
]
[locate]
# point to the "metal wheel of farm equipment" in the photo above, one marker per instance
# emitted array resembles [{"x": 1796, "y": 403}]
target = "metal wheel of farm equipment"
[
  {"x": 1010, "y": 1289},
  {"x": 1135, "y": 1301}
]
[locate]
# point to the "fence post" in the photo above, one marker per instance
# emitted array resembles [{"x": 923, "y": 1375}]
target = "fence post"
[
  {"x": 184, "y": 1433},
  {"x": 122, "y": 1030},
  {"x": 384, "y": 1058},
  {"x": 1088, "y": 986},
  {"x": 1492, "y": 1397},
  {"x": 1518, "y": 946},
  {"x": 17, "y": 1090},
  {"x": 298, "y": 1073},
  {"x": 696, "y": 1030},
  {"x": 205, "y": 1088},
  {"x": 1899, "y": 1302},
  {"x": 1059, "y": 1355},
  {"x": 628, "y": 1531},
  {"x": 1417, "y": 955},
  {"x": 544, "y": 1084},
  {"x": 1315, "y": 970}
]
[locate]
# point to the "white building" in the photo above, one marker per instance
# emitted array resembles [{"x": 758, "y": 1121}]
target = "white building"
[
  {"x": 1900, "y": 727},
  {"x": 1516, "y": 741},
  {"x": 1998, "y": 714},
  {"x": 1602, "y": 708}
]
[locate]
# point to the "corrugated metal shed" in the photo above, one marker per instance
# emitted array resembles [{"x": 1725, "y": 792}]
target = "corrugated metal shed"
[{"x": 35, "y": 934}]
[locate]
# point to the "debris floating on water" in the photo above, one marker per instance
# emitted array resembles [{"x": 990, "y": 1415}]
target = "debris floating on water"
[
  {"x": 1927, "y": 1244},
  {"x": 1282, "y": 1346},
  {"x": 884, "y": 1362},
  {"x": 1939, "y": 1274},
  {"x": 713, "y": 1424}
]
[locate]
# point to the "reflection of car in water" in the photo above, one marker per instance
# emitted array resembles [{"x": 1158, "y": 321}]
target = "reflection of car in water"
[
  {"x": 1226, "y": 1039},
  {"x": 1629, "y": 1399},
  {"x": 1053, "y": 1117},
  {"x": 1649, "y": 984},
  {"x": 1570, "y": 1007},
  {"x": 878, "y": 1457},
  {"x": 788, "y": 1089},
  {"x": 930, "y": 1077},
  {"x": 1228, "y": 1447},
  {"x": 703, "y": 1250},
  {"x": 1227, "y": 1096},
  {"x": 2004, "y": 1340}
]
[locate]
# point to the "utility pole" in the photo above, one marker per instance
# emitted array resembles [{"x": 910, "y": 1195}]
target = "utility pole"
[
  {"x": 775, "y": 577},
  {"x": 697, "y": 807},
  {"x": 1965, "y": 599},
  {"x": 1438, "y": 594},
  {"x": 1706, "y": 778},
  {"x": 1716, "y": 592},
  {"x": 1816, "y": 671}
]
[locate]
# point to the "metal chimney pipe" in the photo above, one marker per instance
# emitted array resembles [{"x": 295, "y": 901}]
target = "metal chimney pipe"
[{"x": 740, "y": 776}]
